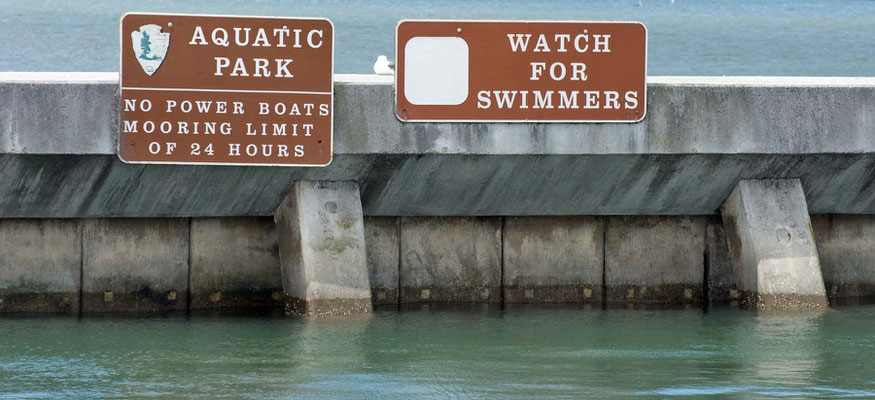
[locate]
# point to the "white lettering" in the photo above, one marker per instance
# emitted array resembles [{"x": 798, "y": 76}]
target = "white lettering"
[
  {"x": 562, "y": 39},
  {"x": 537, "y": 70},
  {"x": 544, "y": 100},
  {"x": 237, "y": 39},
  {"x": 611, "y": 100},
  {"x": 261, "y": 67},
  {"x": 541, "y": 46},
  {"x": 282, "y": 65},
  {"x": 198, "y": 37},
  {"x": 591, "y": 99},
  {"x": 578, "y": 71},
  {"x": 505, "y": 98},
  {"x": 221, "y": 63},
  {"x": 601, "y": 44},
  {"x": 312, "y": 43},
  {"x": 516, "y": 41},
  {"x": 631, "y": 100},
  {"x": 483, "y": 99},
  {"x": 261, "y": 39},
  {"x": 281, "y": 35},
  {"x": 130, "y": 127},
  {"x": 239, "y": 68},
  {"x": 568, "y": 99}
]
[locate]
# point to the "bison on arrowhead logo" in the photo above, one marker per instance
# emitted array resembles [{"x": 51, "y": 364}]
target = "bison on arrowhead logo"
[{"x": 150, "y": 47}]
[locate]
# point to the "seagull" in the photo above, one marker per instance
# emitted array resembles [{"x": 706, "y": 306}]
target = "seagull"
[{"x": 383, "y": 66}]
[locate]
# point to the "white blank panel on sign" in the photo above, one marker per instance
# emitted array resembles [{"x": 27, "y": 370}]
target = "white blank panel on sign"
[{"x": 436, "y": 70}]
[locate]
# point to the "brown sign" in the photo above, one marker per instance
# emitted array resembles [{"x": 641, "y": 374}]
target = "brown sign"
[
  {"x": 230, "y": 90},
  {"x": 520, "y": 71}
]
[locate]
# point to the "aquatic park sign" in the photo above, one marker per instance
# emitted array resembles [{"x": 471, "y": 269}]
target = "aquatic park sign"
[
  {"x": 517, "y": 71},
  {"x": 199, "y": 89},
  {"x": 235, "y": 90}
]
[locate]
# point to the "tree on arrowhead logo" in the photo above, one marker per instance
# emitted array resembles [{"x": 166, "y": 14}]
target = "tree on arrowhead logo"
[{"x": 150, "y": 46}]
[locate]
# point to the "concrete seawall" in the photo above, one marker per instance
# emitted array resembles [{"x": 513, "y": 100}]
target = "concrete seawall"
[
  {"x": 514, "y": 213},
  {"x": 701, "y": 136},
  {"x": 636, "y": 260}
]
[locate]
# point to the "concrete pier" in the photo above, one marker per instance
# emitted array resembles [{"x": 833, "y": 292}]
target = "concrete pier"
[
  {"x": 322, "y": 250},
  {"x": 438, "y": 212},
  {"x": 234, "y": 261},
  {"x": 772, "y": 245},
  {"x": 701, "y": 136}
]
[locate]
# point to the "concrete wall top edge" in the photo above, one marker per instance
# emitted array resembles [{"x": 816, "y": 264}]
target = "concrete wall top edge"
[
  {"x": 764, "y": 81},
  {"x": 58, "y": 77},
  {"x": 76, "y": 113},
  {"x": 753, "y": 81}
]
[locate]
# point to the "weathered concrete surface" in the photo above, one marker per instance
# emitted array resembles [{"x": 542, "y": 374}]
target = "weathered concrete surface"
[
  {"x": 719, "y": 115},
  {"x": 38, "y": 186},
  {"x": 40, "y": 264},
  {"x": 846, "y": 246},
  {"x": 700, "y": 137},
  {"x": 721, "y": 286},
  {"x": 77, "y": 110},
  {"x": 135, "y": 264},
  {"x": 322, "y": 250},
  {"x": 382, "y": 239},
  {"x": 451, "y": 259},
  {"x": 803, "y": 115},
  {"x": 772, "y": 245},
  {"x": 553, "y": 259},
  {"x": 654, "y": 259},
  {"x": 234, "y": 262}
]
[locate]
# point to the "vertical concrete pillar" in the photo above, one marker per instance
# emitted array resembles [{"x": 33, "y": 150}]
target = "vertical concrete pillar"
[
  {"x": 40, "y": 265},
  {"x": 382, "y": 235},
  {"x": 772, "y": 245},
  {"x": 720, "y": 275},
  {"x": 322, "y": 250}
]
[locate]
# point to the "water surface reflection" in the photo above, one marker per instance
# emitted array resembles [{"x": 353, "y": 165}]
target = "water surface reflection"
[{"x": 438, "y": 351}]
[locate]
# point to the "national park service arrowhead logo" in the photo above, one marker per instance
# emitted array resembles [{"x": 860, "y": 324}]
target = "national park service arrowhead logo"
[{"x": 150, "y": 46}]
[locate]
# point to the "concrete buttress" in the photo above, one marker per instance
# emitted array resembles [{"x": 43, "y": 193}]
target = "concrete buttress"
[
  {"x": 322, "y": 249},
  {"x": 772, "y": 246}
]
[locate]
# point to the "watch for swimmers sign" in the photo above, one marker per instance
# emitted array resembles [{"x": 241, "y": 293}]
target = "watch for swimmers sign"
[
  {"x": 520, "y": 71},
  {"x": 226, "y": 90}
]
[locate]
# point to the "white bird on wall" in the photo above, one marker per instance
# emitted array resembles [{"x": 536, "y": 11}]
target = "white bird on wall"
[{"x": 383, "y": 66}]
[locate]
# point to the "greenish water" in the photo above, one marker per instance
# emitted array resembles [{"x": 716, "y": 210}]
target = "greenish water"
[
  {"x": 686, "y": 37},
  {"x": 473, "y": 352}
]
